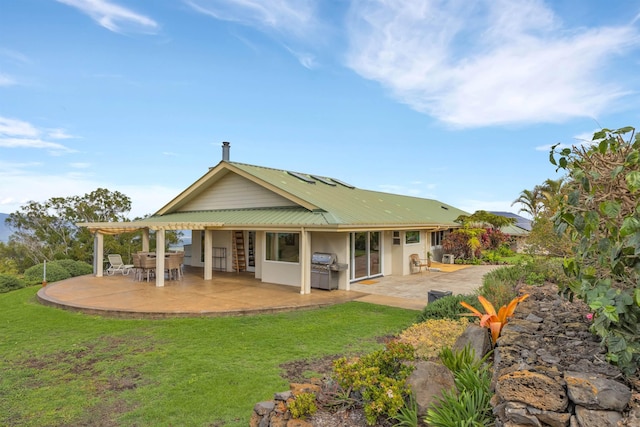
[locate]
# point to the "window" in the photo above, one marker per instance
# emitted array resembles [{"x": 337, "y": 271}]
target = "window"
[
  {"x": 437, "y": 237},
  {"x": 284, "y": 247},
  {"x": 396, "y": 237},
  {"x": 412, "y": 237}
]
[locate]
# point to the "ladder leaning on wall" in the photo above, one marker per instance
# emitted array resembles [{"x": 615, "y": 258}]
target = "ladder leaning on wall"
[{"x": 239, "y": 258}]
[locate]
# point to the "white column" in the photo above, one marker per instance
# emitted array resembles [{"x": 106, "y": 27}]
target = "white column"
[
  {"x": 145, "y": 240},
  {"x": 347, "y": 273},
  {"x": 99, "y": 254},
  {"x": 208, "y": 254},
  {"x": 305, "y": 262},
  {"x": 160, "y": 239}
]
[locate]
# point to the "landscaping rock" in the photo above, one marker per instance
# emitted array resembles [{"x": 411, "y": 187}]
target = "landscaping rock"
[
  {"x": 427, "y": 382},
  {"x": 534, "y": 389},
  {"x": 478, "y": 338},
  {"x": 594, "y": 392},
  {"x": 589, "y": 417}
]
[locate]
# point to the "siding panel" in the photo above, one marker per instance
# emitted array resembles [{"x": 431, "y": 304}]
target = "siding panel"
[{"x": 235, "y": 192}]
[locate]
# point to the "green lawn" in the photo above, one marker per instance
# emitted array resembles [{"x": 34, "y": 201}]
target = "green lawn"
[{"x": 59, "y": 368}]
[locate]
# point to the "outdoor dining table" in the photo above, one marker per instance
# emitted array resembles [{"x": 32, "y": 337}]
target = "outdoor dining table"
[{"x": 145, "y": 265}]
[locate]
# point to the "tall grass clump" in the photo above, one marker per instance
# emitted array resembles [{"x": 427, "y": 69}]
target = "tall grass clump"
[{"x": 470, "y": 403}]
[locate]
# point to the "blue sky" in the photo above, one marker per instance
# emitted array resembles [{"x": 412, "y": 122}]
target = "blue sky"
[{"x": 454, "y": 100}]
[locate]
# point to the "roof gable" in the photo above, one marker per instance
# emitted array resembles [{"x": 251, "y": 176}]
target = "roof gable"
[
  {"x": 339, "y": 204},
  {"x": 233, "y": 191}
]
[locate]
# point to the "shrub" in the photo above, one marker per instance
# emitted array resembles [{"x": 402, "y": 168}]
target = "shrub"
[
  {"x": 447, "y": 307},
  {"x": 10, "y": 282},
  {"x": 471, "y": 404},
  {"x": 55, "y": 272},
  {"x": 601, "y": 213},
  {"x": 75, "y": 268},
  {"x": 428, "y": 337},
  {"x": 380, "y": 378},
  {"x": 499, "y": 285},
  {"x": 303, "y": 405}
]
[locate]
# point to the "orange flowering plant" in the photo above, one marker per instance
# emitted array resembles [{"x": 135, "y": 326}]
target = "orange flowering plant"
[{"x": 493, "y": 320}]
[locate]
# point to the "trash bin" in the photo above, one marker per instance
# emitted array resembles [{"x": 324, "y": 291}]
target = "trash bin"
[
  {"x": 447, "y": 258},
  {"x": 434, "y": 295}
]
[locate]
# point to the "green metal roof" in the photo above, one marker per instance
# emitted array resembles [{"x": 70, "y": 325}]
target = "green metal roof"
[{"x": 334, "y": 204}]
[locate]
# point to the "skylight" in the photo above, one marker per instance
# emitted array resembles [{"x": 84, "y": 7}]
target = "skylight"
[
  {"x": 301, "y": 177},
  {"x": 323, "y": 180},
  {"x": 344, "y": 184}
]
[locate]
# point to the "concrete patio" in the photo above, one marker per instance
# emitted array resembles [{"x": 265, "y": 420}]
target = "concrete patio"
[{"x": 232, "y": 294}]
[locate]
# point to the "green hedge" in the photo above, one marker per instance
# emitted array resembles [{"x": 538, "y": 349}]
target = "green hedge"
[
  {"x": 55, "y": 272},
  {"x": 9, "y": 282},
  {"x": 75, "y": 268},
  {"x": 448, "y": 307}
]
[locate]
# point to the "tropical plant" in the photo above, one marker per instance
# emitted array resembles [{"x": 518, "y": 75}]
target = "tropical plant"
[
  {"x": 463, "y": 243},
  {"x": 531, "y": 201},
  {"x": 470, "y": 403},
  {"x": 491, "y": 319},
  {"x": 482, "y": 219},
  {"x": 602, "y": 214}
]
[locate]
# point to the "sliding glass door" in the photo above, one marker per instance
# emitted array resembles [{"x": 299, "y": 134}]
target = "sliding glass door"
[{"x": 366, "y": 255}]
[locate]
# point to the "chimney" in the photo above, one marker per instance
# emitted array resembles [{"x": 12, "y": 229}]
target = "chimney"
[{"x": 225, "y": 151}]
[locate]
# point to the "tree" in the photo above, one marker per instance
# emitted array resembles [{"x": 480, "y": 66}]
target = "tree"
[
  {"x": 48, "y": 231},
  {"x": 477, "y": 228},
  {"x": 602, "y": 214},
  {"x": 483, "y": 218},
  {"x": 531, "y": 201},
  {"x": 553, "y": 192}
]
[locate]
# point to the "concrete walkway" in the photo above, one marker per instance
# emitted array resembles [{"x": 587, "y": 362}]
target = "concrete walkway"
[
  {"x": 230, "y": 294},
  {"x": 412, "y": 291}
]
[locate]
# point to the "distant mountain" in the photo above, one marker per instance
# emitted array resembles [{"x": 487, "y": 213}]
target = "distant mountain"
[{"x": 5, "y": 231}]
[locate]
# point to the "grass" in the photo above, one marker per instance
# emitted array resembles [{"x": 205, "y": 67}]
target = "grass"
[{"x": 60, "y": 368}]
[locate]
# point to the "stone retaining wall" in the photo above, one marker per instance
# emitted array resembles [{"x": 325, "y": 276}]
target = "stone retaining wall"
[{"x": 549, "y": 369}]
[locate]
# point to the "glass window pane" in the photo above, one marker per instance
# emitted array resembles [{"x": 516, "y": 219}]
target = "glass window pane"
[{"x": 412, "y": 237}]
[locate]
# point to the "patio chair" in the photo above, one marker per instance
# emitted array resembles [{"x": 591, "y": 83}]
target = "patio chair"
[
  {"x": 147, "y": 265},
  {"x": 137, "y": 267},
  {"x": 116, "y": 265},
  {"x": 415, "y": 262},
  {"x": 173, "y": 264}
]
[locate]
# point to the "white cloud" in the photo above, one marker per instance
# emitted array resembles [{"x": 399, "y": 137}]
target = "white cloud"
[
  {"x": 20, "y": 134},
  {"x": 80, "y": 165},
  {"x": 16, "y": 128},
  {"x": 15, "y": 178},
  {"x": 58, "y": 134},
  {"x": 294, "y": 17},
  {"x": 585, "y": 138},
  {"x": 6, "y": 80},
  {"x": 486, "y": 63},
  {"x": 114, "y": 17},
  {"x": 306, "y": 59}
]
